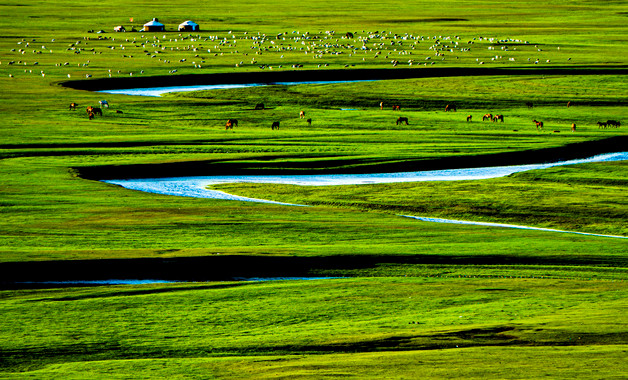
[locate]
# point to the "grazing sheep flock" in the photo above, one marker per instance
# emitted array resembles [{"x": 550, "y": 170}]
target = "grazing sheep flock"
[
  {"x": 191, "y": 52},
  {"x": 188, "y": 53}
]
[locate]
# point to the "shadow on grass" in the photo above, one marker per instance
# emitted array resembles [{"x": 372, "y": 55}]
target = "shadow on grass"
[
  {"x": 291, "y": 165},
  {"x": 269, "y": 77},
  {"x": 32, "y": 358},
  {"x": 233, "y": 267}
]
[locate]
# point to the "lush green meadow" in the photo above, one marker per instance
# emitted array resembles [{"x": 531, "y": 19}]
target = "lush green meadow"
[{"x": 415, "y": 299}]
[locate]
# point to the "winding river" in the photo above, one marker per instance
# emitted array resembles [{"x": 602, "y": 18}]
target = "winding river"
[
  {"x": 198, "y": 186},
  {"x": 158, "y": 91}
]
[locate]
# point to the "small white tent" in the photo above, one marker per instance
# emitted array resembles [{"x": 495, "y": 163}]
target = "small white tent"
[
  {"x": 188, "y": 26},
  {"x": 154, "y": 26}
]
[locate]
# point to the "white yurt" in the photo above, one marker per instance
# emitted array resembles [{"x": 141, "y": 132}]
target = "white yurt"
[
  {"x": 154, "y": 26},
  {"x": 188, "y": 26}
]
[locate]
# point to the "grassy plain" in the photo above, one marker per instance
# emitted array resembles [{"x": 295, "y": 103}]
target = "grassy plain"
[{"x": 422, "y": 300}]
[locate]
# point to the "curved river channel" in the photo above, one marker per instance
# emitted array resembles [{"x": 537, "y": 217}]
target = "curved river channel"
[{"x": 198, "y": 186}]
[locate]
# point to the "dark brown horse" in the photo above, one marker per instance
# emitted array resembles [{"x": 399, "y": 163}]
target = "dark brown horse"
[
  {"x": 259, "y": 106},
  {"x": 498, "y": 118},
  {"x": 402, "y": 120},
  {"x": 275, "y": 125},
  {"x": 73, "y": 106},
  {"x": 450, "y": 107},
  {"x": 94, "y": 110},
  {"x": 231, "y": 123},
  {"x": 539, "y": 124},
  {"x": 613, "y": 123}
]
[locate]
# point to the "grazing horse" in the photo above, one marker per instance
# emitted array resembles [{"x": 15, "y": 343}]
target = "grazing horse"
[
  {"x": 601, "y": 124},
  {"x": 529, "y": 104},
  {"x": 498, "y": 118},
  {"x": 573, "y": 127},
  {"x": 94, "y": 110},
  {"x": 231, "y": 123},
  {"x": 469, "y": 117},
  {"x": 302, "y": 115},
  {"x": 396, "y": 108},
  {"x": 613, "y": 123},
  {"x": 73, "y": 106},
  {"x": 103, "y": 103},
  {"x": 259, "y": 106},
  {"x": 569, "y": 104},
  {"x": 275, "y": 125},
  {"x": 90, "y": 115},
  {"x": 488, "y": 116},
  {"x": 309, "y": 122},
  {"x": 450, "y": 107},
  {"x": 539, "y": 124},
  {"x": 402, "y": 120}
]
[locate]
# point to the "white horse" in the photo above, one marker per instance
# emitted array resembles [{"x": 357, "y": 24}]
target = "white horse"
[{"x": 103, "y": 104}]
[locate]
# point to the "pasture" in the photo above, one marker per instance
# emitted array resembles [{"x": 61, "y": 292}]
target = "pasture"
[{"x": 407, "y": 298}]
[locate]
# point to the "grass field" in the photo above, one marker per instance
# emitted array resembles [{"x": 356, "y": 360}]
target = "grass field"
[{"x": 413, "y": 299}]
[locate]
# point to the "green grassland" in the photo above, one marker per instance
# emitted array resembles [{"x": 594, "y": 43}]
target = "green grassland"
[{"x": 415, "y": 299}]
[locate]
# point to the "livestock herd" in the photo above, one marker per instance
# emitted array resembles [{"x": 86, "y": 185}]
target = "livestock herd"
[{"x": 94, "y": 111}]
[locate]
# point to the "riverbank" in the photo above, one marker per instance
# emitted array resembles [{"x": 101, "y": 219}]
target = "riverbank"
[
  {"x": 329, "y": 165},
  {"x": 268, "y": 77}
]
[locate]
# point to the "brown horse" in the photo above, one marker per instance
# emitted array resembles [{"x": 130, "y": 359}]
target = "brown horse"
[
  {"x": 569, "y": 104},
  {"x": 302, "y": 115},
  {"x": 94, "y": 110},
  {"x": 259, "y": 106},
  {"x": 488, "y": 116},
  {"x": 498, "y": 118},
  {"x": 396, "y": 108},
  {"x": 402, "y": 120},
  {"x": 539, "y": 124},
  {"x": 275, "y": 125},
  {"x": 73, "y": 106},
  {"x": 309, "y": 122},
  {"x": 573, "y": 127},
  {"x": 450, "y": 107},
  {"x": 613, "y": 123},
  {"x": 469, "y": 117},
  {"x": 231, "y": 123}
]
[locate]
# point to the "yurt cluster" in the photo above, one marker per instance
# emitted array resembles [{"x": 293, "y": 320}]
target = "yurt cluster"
[{"x": 155, "y": 26}]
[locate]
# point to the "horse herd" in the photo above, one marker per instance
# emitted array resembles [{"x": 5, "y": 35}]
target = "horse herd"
[
  {"x": 93, "y": 111},
  {"x": 539, "y": 124},
  {"x": 608, "y": 124}
]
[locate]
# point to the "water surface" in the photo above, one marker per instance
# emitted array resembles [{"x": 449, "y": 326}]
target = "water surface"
[
  {"x": 197, "y": 186},
  {"x": 158, "y": 91}
]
